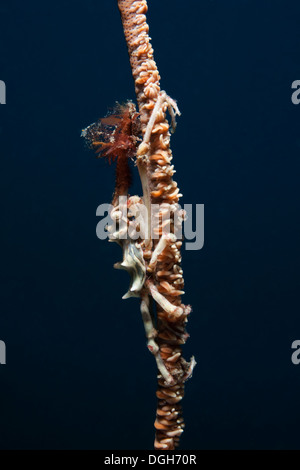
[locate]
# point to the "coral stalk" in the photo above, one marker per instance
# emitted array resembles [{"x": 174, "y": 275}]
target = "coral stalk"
[
  {"x": 147, "y": 228},
  {"x": 164, "y": 274}
]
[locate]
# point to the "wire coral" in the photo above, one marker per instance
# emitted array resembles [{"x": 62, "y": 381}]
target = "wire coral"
[
  {"x": 165, "y": 282},
  {"x": 151, "y": 249}
]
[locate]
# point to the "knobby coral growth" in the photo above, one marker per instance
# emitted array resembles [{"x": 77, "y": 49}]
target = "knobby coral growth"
[{"x": 151, "y": 252}]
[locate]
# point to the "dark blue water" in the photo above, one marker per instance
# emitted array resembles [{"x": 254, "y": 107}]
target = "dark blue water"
[{"x": 78, "y": 374}]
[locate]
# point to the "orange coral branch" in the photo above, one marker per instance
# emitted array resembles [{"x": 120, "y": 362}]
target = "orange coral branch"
[
  {"x": 151, "y": 251},
  {"x": 165, "y": 280}
]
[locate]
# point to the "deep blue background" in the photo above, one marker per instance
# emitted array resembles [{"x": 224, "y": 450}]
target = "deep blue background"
[{"x": 78, "y": 374}]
